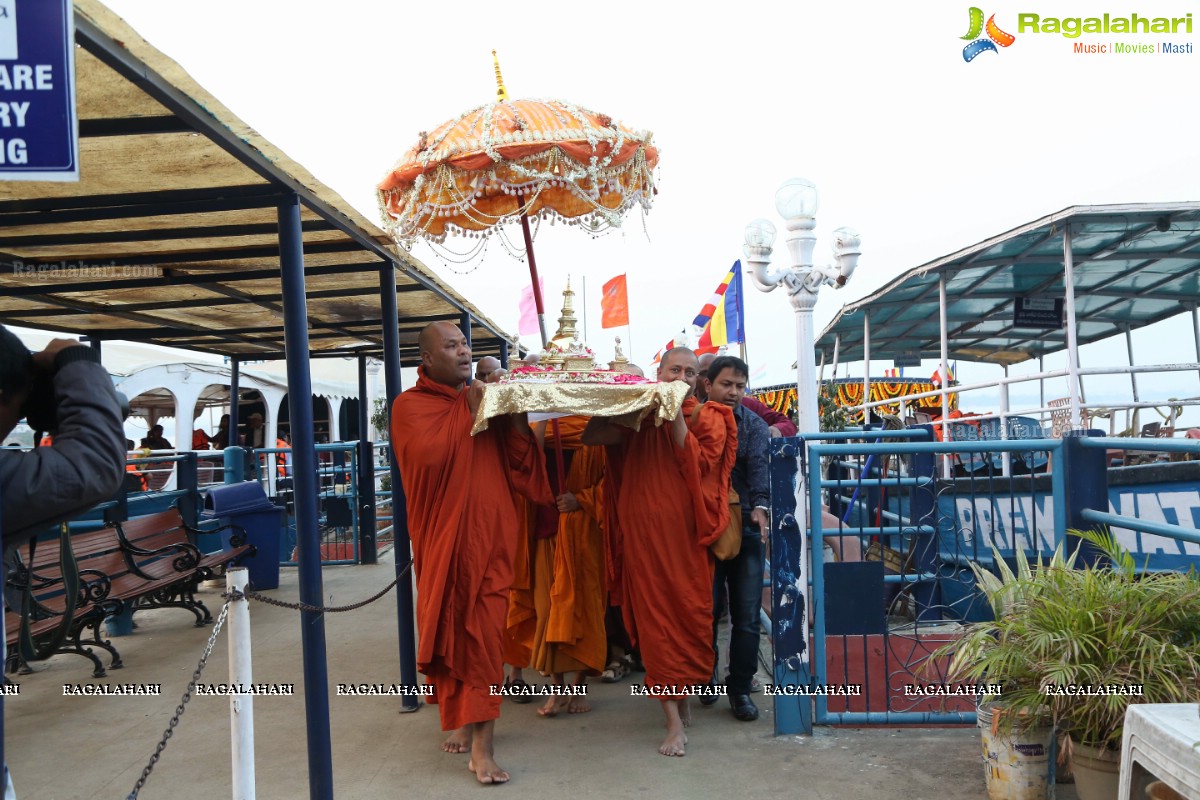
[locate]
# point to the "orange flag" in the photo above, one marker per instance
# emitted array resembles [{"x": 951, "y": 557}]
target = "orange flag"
[{"x": 614, "y": 304}]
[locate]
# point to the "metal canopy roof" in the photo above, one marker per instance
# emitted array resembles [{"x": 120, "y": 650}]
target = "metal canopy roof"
[
  {"x": 171, "y": 235},
  {"x": 1133, "y": 265}
]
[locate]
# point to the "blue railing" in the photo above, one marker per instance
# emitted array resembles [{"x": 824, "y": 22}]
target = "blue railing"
[
  {"x": 925, "y": 530},
  {"x": 349, "y": 519},
  {"x": 1102, "y": 444},
  {"x": 340, "y": 499}
]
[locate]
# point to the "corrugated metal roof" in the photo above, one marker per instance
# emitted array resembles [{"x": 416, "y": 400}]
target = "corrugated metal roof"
[
  {"x": 1133, "y": 265},
  {"x": 170, "y": 236}
]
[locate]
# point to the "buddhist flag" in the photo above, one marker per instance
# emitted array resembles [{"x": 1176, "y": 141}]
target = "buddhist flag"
[
  {"x": 679, "y": 341},
  {"x": 529, "y": 322},
  {"x": 614, "y": 304},
  {"x": 722, "y": 319}
]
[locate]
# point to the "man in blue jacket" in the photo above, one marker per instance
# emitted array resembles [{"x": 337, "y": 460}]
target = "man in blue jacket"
[{"x": 726, "y": 383}]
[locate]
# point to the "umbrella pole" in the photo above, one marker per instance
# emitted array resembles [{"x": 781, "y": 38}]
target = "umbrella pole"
[
  {"x": 541, "y": 315},
  {"x": 533, "y": 275}
]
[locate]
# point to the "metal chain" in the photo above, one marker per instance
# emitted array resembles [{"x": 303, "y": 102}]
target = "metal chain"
[
  {"x": 212, "y": 640},
  {"x": 299, "y": 606},
  {"x": 187, "y": 695}
]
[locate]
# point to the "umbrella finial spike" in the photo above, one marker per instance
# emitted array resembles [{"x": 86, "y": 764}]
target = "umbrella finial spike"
[{"x": 501, "y": 92}]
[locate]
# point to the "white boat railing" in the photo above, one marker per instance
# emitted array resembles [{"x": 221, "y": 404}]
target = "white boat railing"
[
  {"x": 1004, "y": 385},
  {"x": 1045, "y": 413}
]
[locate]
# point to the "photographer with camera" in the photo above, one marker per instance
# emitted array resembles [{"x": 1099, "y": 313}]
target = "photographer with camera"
[{"x": 63, "y": 390}]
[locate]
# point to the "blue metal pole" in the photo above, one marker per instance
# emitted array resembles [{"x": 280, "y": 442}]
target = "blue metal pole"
[
  {"x": 189, "y": 481},
  {"x": 402, "y": 547},
  {"x": 504, "y": 354},
  {"x": 866, "y": 472},
  {"x": 1086, "y": 472},
  {"x": 816, "y": 544},
  {"x": 922, "y": 718},
  {"x": 235, "y": 373},
  {"x": 1141, "y": 525},
  {"x": 923, "y": 513},
  {"x": 235, "y": 464},
  {"x": 367, "y": 552},
  {"x": 304, "y": 459},
  {"x": 464, "y": 325}
]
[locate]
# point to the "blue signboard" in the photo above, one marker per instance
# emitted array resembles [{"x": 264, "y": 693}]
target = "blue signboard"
[
  {"x": 39, "y": 131},
  {"x": 1009, "y": 521}
]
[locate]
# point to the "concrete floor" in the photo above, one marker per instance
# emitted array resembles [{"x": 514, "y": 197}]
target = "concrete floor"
[{"x": 67, "y": 748}]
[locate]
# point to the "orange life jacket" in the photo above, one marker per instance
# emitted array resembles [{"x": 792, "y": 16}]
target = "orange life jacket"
[
  {"x": 281, "y": 462},
  {"x": 131, "y": 468}
]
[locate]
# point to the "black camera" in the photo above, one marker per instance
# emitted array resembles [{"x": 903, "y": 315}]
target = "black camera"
[
  {"x": 40, "y": 409},
  {"x": 41, "y": 406}
]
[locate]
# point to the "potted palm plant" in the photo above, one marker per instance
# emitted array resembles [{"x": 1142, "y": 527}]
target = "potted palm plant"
[{"x": 1081, "y": 645}]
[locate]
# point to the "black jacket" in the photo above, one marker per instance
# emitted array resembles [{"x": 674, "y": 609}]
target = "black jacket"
[
  {"x": 85, "y": 464},
  {"x": 749, "y": 477}
]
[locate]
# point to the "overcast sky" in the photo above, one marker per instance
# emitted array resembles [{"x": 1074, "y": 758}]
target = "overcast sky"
[{"x": 919, "y": 150}]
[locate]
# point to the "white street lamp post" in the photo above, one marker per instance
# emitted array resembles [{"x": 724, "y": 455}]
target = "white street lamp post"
[{"x": 796, "y": 201}]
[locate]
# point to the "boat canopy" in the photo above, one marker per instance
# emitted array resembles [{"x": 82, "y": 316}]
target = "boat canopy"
[
  {"x": 1133, "y": 265},
  {"x": 155, "y": 389}
]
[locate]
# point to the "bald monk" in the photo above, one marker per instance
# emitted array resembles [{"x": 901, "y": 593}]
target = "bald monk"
[
  {"x": 460, "y": 517},
  {"x": 568, "y": 566},
  {"x": 666, "y": 599},
  {"x": 486, "y": 366}
]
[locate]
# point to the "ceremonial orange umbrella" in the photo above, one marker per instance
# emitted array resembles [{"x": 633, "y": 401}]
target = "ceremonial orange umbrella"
[{"x": 509, "y": 161}]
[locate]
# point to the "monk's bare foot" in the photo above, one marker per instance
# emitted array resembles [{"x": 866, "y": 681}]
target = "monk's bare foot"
[
  {"x": 673, "y": 744},
  {"x": 554, "y": 704},
  {"x": 487, "y": 771},
  {"x": 578, "y": 705},
  {"x": 685, "y": 713},
  {"x": 458, "y": 742},
  {"x": 676, "y": 738}
]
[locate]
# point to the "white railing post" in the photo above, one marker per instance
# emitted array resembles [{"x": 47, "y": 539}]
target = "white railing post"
[
  {"x": 1005, "y": 462},
  {"x": 241, "y": 674}
]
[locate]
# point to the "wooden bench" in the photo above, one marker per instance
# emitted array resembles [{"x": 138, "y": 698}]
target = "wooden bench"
[
  {"x": 159, "y": 547},
  {"x": 145, "y": 562}
]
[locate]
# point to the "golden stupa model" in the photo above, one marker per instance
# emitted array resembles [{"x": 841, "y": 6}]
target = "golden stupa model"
[
  {"x": 566, "y": 380},
  {"x": 565, "y": 351}
]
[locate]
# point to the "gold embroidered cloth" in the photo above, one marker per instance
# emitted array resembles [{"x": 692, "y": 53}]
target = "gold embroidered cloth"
[{"x": 631, "y": 403}]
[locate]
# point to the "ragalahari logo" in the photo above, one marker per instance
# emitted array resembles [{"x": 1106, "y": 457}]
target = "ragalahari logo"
[{"x": 995, "y": 36}]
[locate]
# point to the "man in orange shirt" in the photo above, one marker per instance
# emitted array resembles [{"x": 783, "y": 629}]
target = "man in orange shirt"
[
  {"x": 463, "y": 527},
  {"x": 672, "y": 503}
]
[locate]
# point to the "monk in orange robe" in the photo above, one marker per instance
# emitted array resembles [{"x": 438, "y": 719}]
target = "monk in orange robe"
[
  {"x": 521, "y": 623},
  {"x": 667, "y": 524},
  {"x": 520, "y": 626},
  {"x": 463, "y": 528},
  {"x": 568, "y": 565}
]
